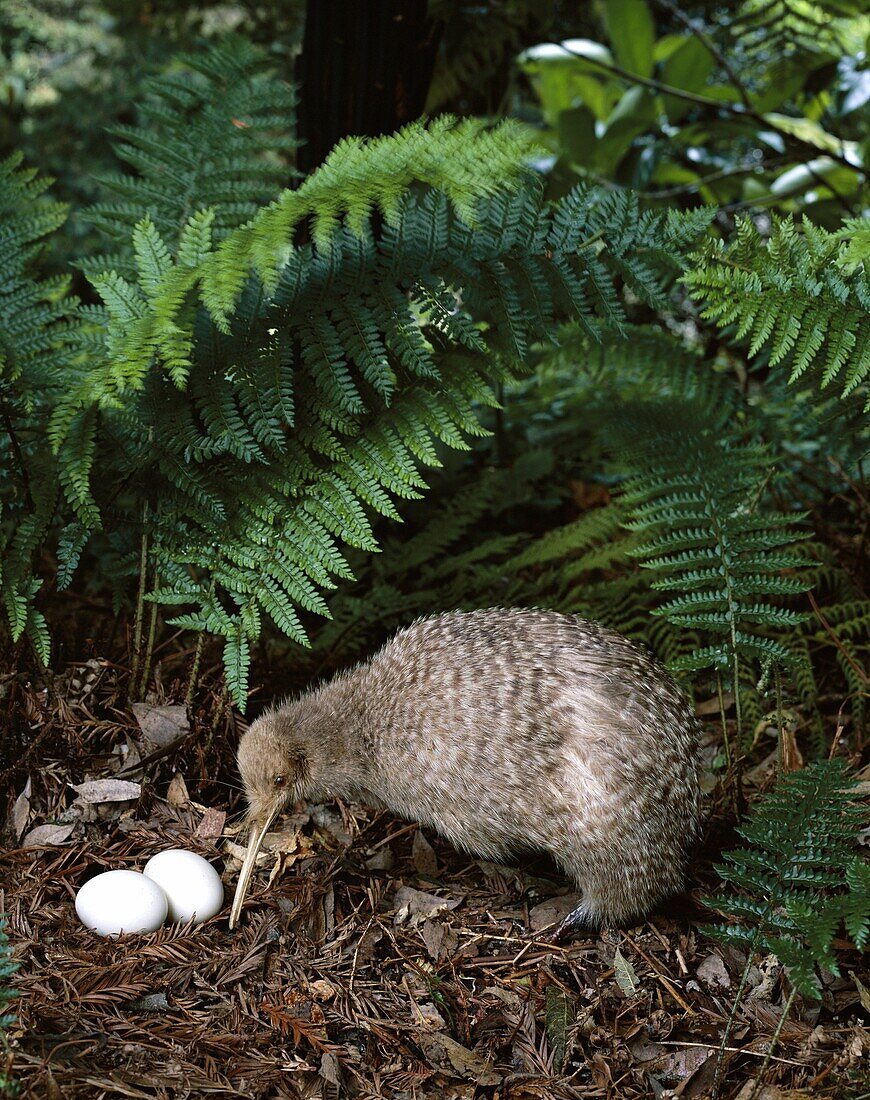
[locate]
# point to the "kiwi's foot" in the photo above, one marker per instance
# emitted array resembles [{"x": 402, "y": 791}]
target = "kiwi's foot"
[{"x": 572, "y": 925}]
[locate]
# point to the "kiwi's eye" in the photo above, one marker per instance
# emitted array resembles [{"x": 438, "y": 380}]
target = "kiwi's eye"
[{"x": 280, "y": 781}]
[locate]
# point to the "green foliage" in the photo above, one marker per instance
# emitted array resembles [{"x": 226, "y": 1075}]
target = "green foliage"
[
  {"x": 693, "y": 496},
  {"x": 799, "y": 879},
  {"x": 269, "y": 371},
  {"x": 717, "y": 106},
  {"x": 8, "y": 996},
  {"x": 793, "y": 295},
  {"x": 461, "y": 160},
  {"x": 787, "y": 27},
  {"x": 477, "y": 46},
  {"x": 265, "y": 438},
  {"x": 36, "y": 333},
  {"x": 838, "y": 635},
  {"x": 213, "y": 134},
  {"x": 474, "y": 545}
]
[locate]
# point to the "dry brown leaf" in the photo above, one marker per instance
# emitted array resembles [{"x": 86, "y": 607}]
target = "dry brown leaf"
[
  {"x": 863, "y": 991},
  {"x": 771, "y": 1092},
  {"x": 625, "y": 975},
  {"x": 177, "y": 795},
  {"x": 418, "y": 905},
  {"x": 212, "y": 825},
  {"x": 423, "y": 855},
  {"x": 323, "y": 990},
  {"x": 288, "y": 848},
  {"x": 433, "y": 933},
  {"x": 644, "y": 1050},
  {"x": 107, "y": 790},
  {"x": 445, "y": 1053},
  {"x": 552, "y": 911},
  {"x": 428, "y": 1017},
  {"x": 682, "y": 1064},
  {"x": 18, "y": 815},
  {"x": 47, "y": 834},
  {"x": 712, "y": 971},
  {"x": 329, "y": 1068},
  {"x": 161, "y": 726},
  {"x": 792, "y": 759},
  {"x": 711, "y": 705},
  {"x": 382, "y": 860}
]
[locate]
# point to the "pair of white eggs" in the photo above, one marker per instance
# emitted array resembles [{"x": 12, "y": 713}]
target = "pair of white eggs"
[{"x": 176, "y": 883}]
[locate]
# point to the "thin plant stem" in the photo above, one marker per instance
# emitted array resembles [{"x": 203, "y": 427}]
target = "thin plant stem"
[
  {"x": 711, "y": 47},
  {"x": 725, "y": 738},
  {"x": 219, "y": 713},
  {"x": 774, "y": 1039},
  {"x": 19, "y": 457},
  {"x": 780, "y": 748},
  {"x": 499, "y": 425},
  {"x": 149, "y": 649},
  {"x": 726, "y": 1034},
  {"x": 738, "y": 722},
  {"x": 197, "y": 659},
  {"x": 194, "y": 671},
  {"x": 140, "y": 598},
  {"x": 733, "y": 109}
]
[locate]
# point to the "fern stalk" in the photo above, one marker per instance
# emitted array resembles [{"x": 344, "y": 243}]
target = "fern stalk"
[
  {"x": 140, "y": 599},
  {"x": 774, "y": 1039},
  {"x": 194, "y": 670},
  {"x": 149, "y": 648},
  {"x": 729, "y": 1024}
]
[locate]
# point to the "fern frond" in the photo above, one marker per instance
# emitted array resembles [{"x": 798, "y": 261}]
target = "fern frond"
[
  {"x": 269, "y": 436},
  {"x": 784, "y": 28},
  {"x": 793, "y": 296},
  {"x": 38, "y": 337},
  {"x": 692, "y": 497},
  {"x": 798, "y": 878},
  {"x": 214, "y": 135}
]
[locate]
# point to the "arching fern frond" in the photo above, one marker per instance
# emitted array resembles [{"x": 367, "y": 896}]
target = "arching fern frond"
[
  {"x": 783, "y": 28},
  {"x": 37, "y": 334},
  {"x": 693, "y": 496},
  {"x": 213, "y": 135},
  {"x": 268, "y": 443},
  {"x": 794, "y": 296},
  {"x": 463, "y": 160},
  {"x": 799, "y": 877}
]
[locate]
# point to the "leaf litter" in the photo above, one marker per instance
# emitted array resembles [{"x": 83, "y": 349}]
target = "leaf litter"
[{"x": 371, "y": 961}]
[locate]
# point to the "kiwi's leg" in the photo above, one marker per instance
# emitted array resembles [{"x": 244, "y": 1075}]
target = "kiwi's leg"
[
  {"x": 577, "y": 921},
  {"x": 603, "y": 893}
]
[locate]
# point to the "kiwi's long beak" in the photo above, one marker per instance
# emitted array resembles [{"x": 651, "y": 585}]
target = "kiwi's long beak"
[{"x": 255, "y": 842}]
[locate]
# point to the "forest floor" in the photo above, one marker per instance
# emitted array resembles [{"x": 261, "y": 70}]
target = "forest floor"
[{"x": 372, "y": 960}]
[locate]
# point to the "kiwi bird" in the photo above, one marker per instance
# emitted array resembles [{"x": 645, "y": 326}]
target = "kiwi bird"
[{"x": 503, "y": 730}]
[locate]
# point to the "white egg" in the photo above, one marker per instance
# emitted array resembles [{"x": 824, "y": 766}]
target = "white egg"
[
  {"x": 121, "y": 901},
  {"x": 191, "y": 884}
]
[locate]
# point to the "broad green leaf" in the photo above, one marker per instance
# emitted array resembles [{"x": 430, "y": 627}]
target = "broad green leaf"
[
  {"x": 666, "y": 45},
  {"x": 777, "y": 86},
  {"x": 576, "y": 128},
  {"x": 689, "y": 66},
  {"x": 688, "y": 69},
  {"x": 632, "y": 34},
  {"x": 804, "y": 177},
  {"x": 811, "y": 132},
  {"x": 563, "y": 78},
  {"x": 633, "y": 115}
]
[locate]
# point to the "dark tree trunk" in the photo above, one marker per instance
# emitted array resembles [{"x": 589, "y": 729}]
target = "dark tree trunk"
[{"x": 365, "y": 68}]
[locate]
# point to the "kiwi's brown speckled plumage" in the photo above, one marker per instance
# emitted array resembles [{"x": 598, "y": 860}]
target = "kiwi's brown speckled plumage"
[{"x": 505, "y": 729}]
